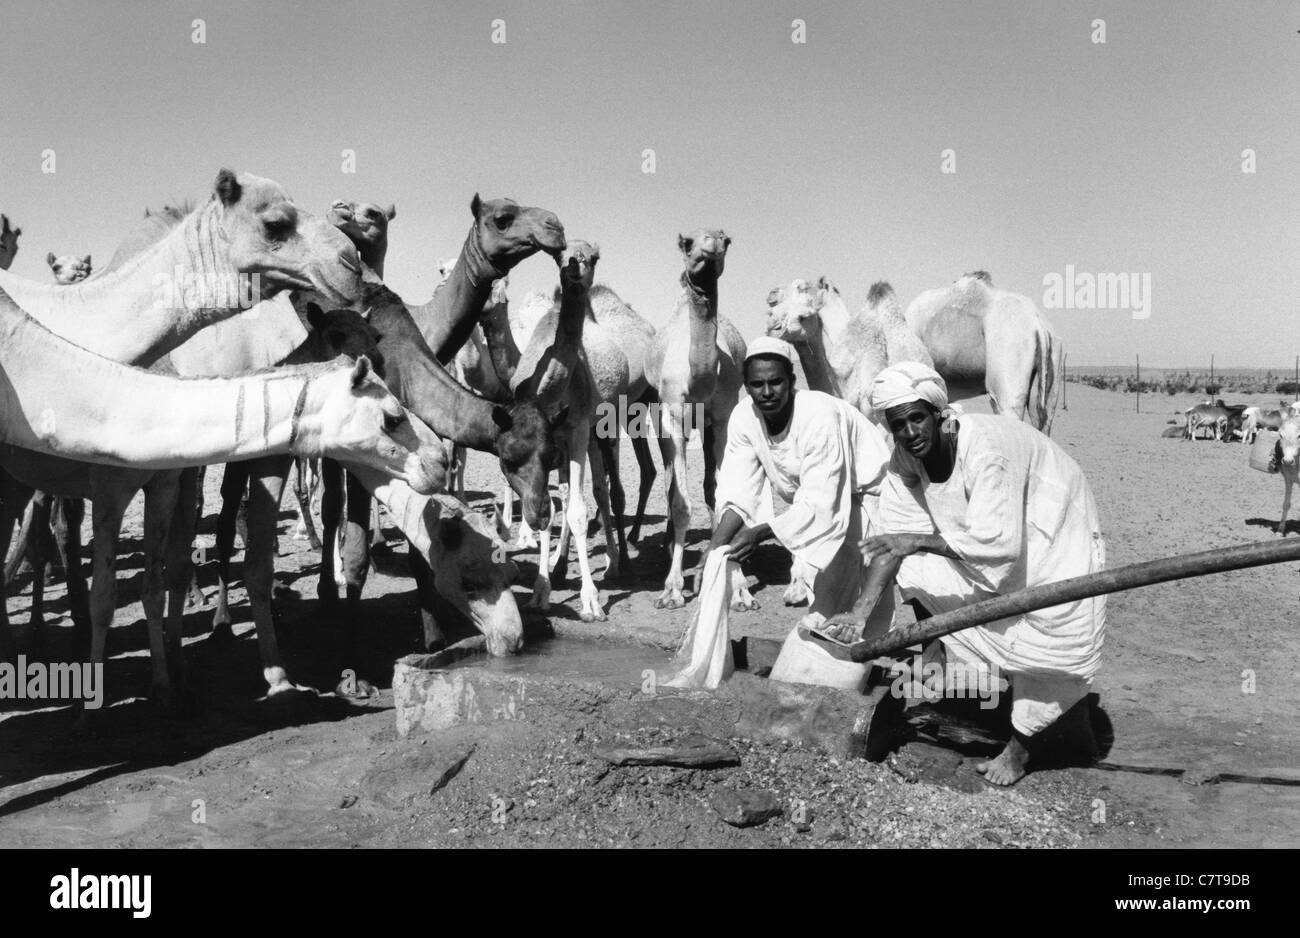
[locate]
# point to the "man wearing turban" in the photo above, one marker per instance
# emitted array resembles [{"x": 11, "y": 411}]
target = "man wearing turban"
[
  {"x": 819, "y": 454},
  {"x": 981, "y": 505}
]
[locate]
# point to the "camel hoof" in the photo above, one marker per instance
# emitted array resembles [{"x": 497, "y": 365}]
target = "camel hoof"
[
  {"x": 541, "y": 595},
  {"x": 796, "y": 594},
  {"x": 670, "y": 599}
]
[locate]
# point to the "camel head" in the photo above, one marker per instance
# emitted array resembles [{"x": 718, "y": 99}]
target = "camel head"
[
  {"x": 290, "y": 249},
  {"x": 1288, "y": 444},
  {"x": 792, "y": 312},
  {"x": 445, "y": 267},
  {"x": 704, "y": 252},
  {"x": 69, "y": 268},
  {"x": 529, "y": 445},
  {"x": 366, "y": 226},
  {"x": 8, "y": 242},
  {"x": 464, "y": 549},
  {"x": 507, "y": 232},
  {"x": 578, "y": 266},
  {"x": 348, "y": 413},
  {"x": 342, "y": 332}
]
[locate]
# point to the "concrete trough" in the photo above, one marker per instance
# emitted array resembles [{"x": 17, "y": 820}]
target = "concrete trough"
[{"x": 571, "y": 680}]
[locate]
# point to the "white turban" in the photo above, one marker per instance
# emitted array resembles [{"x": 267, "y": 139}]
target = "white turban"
[
  {"x": 769, "y": 345},
  {"x": 907, "y": 382}
]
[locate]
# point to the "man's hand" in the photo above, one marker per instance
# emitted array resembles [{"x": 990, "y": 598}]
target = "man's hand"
[
  {"x": 746, "y": 539},
  {"x": 844, "y": 627},
  {"x": 892, "y": 545}
]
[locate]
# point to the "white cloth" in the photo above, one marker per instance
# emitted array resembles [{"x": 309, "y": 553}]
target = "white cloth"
[
  {"x": 907, "y": 382},
  {"x": 770, "y": 345},
  {"x": 704, "y": 658},
  {"x": 830, "y": 459},
  {"x": 1018, "y": 512}
]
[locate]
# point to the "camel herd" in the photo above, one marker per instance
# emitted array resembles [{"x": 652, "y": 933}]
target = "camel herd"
[{"x": 112, "y": 389}]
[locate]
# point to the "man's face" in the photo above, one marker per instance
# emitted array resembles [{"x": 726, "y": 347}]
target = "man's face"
[
  {"x": 768, "y": 382},
  {"x": 915, "y": 427}
]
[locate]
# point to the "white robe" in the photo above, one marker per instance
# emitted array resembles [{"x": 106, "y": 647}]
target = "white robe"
[
  {"x": 829, "y": 466},
  {"x": 1018, "y": 512}
]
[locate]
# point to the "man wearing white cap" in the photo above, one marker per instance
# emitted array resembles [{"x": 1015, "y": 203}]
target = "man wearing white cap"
[
  {"x": 983, "y": 505},
  {"x": 819, "y": 454}
]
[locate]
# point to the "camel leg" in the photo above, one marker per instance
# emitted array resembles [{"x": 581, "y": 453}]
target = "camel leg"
[
  {"x": 234, "y": 483},
  {"x": 672, "y": 445},
  {"x": 304, "y": 485},
  {"x": 576, "y": 516},
  {"x": 108, "y": 505},
  {"x": 178, "y": 572},
  {"x": 333, "y": 495},
  {"x": 541, "y": 599},
  {"x": 355, "y": 562},
  {"x": 74, "y": 512},
  {"x": 264, "y": 494},
  {"x": 560, "y": 562},
  {"x": 24, "y": 508},
  {"x": 160, "y": 499},
  {"x": 641, "y": 449},
  {"x": 603, "y": 484},
  {"x": 426, "y": 593},
  {"x": 1289, "y": 479},
  {"x": 8, "y": 517},
  {"x": 374, "y": 526},
  {"x": 617, "y": 505},
  {"x": 37, "y": 523},
  {"x": 194, "y": 596}
]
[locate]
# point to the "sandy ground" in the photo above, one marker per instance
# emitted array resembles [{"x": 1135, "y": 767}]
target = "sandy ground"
[{"x": 1197, "y": 679}]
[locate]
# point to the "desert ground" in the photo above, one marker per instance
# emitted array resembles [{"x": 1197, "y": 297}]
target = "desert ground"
[{"x": 1197, "y": 684}]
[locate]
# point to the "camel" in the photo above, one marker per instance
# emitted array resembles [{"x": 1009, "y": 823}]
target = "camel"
[
  {"x": 986, "y": 340},
  {"x": 8, "y": 242},
  {"x": 503, "y": 234},
  {"x": 247, "y": 243},
  {"x": 694, "y": 364},
  {"x": 554, "y": 372},
  {"x": 525, "y": 440},
  {"x": 69, "y": 268},
  {"x": 120, "y": 416},
  {"x": 366, "y": 226}
]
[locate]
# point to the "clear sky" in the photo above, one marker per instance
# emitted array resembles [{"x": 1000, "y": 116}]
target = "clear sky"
[{"x": 822, "y": 157}]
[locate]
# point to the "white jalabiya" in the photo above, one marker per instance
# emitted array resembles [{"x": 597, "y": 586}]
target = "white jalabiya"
[
  {"x": 1018, "y": 512},
  {"x": 829, "y": 465}
]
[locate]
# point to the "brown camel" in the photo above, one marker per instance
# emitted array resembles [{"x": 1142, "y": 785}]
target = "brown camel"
[
  {"x": 366, "y": 226},
  {"x": 8, "y": 242},
  {"x": 695, "y": 365},
  {"x": 525, "y": 440},
  {"x": 503, "y": 234}
]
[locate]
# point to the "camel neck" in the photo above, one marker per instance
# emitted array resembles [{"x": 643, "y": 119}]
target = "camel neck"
[
  {"x": 702, "y": 311},
  {"x": 503, "y": 350},
  {"x": 447, "y": 320},
  {"x": 425, "y": 387},
  {"x": 817, "y": 367},
  {"x": 121, "y": 416},
  {"x": 152, "y": 304}
]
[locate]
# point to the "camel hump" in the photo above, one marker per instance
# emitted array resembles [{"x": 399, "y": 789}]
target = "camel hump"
[
  {"x": 981, "y": 275},
  {"x": 879, "y": 291}
]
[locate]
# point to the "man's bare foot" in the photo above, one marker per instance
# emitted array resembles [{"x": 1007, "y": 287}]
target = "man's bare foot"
[{"x": 1009, "y": 765}]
